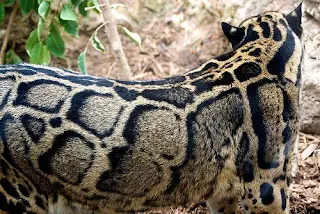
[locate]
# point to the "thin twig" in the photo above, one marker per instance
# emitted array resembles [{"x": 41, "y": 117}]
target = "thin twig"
[
  {"x": 115, "y": 43},
  {"x": 6, "y": 36}
]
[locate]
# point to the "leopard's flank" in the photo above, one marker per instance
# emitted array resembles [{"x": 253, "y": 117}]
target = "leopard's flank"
[{"x": 223, "y": 133}]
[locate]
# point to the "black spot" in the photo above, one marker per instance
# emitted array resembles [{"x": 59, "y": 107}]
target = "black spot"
[
  {"x": 6, "y": 185},
  {"x": 221, "y": 210},
  {"x": 243, "y": 148},
  {"x": 167, "y": 157},
  {"x": 227, "y": 142},
  {"x": 266, "y": 194},
  {"x": 225, "y": 57},
  {"x": 3, "y": 203},
  {"x": 246, "y": 207},
  {"x": 25, "y": 203},
  {"x": 248, "y": 171},
  {"x": 281, "y": 177},
  {"x": 288, "y": 114},
  {"x": 250, "y": 196},
  {"x": 24, "y": 191},
  {"x": 5, "y": 100},
  {"x": 171, "y": 80},
  {"x": 259, "y": 19},
  {"x": 286, "y": 134},
  {"x": 289, "y": 181},
  {"x": 225, "y": 79},
  {"x": 283, "y": 199},
  {"x": 40, "y": 202},
  {"x": 177, "y": 96},
  {"x": 16, "y": 208},
  {"x": 247, "y": 71},
  {"x": 35, "y": 126},
  {"x": 231, "y": 201},
  {"x": 202, "y": 85},
  {"x": 125, "y": 93},
  {"x": 285, "y": 165},
  {"x": 209, "y": 66},
  {"x": 56, "y": 122},
  {"x": 265, "y": 29},
  {"x": 298, "y": 82},
  {"x": 23, "y": 90},
  {"x": 244, "y": 167},
  {"x": 254, "y": 201},
  {"x": 4, "y": 167},
  {"x": 277, "y": 36},
  {"x": 269, "y": 16},
  {"x": 247, "y": 49},
  {"x": 207, "y": 84},
  {"x": 196, "y": 74},
  {"x": 256, "y": 52}
]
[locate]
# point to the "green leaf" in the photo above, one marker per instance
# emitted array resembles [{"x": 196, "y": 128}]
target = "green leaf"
[
  {"x": 26, "y": 6},
  {"x": 95, "y": 42},
  {"x": 75, "y": 3},
  {"x": 134, "y": 36},
  {"x": 8, "y": 3},
  {"x": 94, "y": 4},
  {"x": 2, "y": 12},
  {"x": 82, "y": 62},
  {"x": 54, "y": 41},
  {"x": 32, "y": 41},
  {"x": 40, "y": 28},
  {"x": 70, "y": 27},
  {"x": 82, "y": 8},
  {"x": 40, "y": 55},
  {"x": 12, "y": 58},
  {"x": 68, "y": 14},
  {"x": 43, "y": 9}
]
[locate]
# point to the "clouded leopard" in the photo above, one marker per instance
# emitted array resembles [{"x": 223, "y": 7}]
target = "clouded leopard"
[{"x": 222, "y": 133}]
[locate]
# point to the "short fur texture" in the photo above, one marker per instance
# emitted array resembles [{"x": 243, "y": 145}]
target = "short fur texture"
[{"x": 222, "y": 133}]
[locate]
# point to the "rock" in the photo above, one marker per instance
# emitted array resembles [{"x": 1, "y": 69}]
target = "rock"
[
  {"x": 310, "y": 91},
  {"x": 310, "y": 100}
]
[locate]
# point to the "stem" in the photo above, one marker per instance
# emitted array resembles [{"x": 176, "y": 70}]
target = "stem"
[
  {"x": 6, "y": 36},
  {"x": 111, "y": 31}
]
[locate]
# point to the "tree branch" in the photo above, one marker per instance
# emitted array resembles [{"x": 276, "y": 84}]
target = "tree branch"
[
  {"x": 124, "y": 71},
  {"x": 6, "y": 35}
]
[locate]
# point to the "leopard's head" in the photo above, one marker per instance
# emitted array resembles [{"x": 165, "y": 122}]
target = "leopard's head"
[{"x": 264, "y": 25}]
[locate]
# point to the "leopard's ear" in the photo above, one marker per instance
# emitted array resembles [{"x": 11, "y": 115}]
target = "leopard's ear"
[
  {"x": 294, "y": 20},
  {"x": 234, "y": 34}
]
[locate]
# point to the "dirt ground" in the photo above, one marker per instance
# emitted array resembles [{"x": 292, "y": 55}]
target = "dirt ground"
[{"x": 177, "y": 36}]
